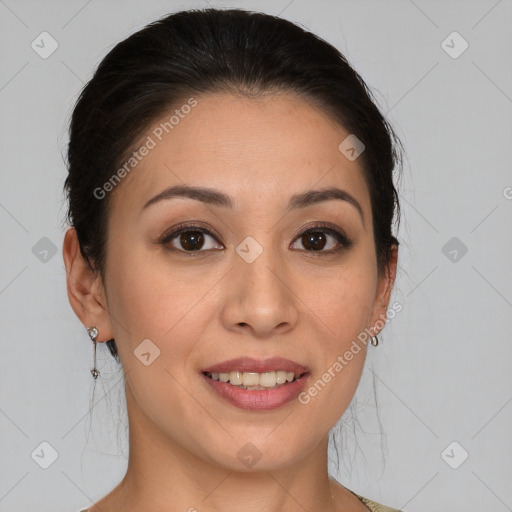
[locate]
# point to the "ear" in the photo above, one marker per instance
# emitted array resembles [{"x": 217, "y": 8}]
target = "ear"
[
  {"x": 384, "y": 289},
  {"x": 86, "y": 293}
]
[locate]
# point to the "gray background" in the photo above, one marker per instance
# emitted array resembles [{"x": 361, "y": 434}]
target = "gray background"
[{"x": 442, "y": 373}]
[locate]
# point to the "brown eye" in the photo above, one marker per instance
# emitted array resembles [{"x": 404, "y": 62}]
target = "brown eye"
[
  {"x": 196, "y": 239},
  {"x": 316, "y": 239},
  {"x": 190, "y": 240}
]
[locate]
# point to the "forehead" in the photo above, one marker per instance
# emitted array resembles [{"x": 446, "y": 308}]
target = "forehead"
[{"x": 263, "y": 149}]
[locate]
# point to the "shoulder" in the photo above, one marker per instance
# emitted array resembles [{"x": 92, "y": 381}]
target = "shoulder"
[{"x": 373, "y": 506}]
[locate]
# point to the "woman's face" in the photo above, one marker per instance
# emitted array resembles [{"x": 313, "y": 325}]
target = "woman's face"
[{"x": 252, "y": 288}]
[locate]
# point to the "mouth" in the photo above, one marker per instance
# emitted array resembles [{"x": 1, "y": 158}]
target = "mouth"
[
  {"x": 257, "y": 391},
  {"x": 252, "y": 397},
  {"x": 256, "y": 374},
  {"x": 255, "y": 380}
]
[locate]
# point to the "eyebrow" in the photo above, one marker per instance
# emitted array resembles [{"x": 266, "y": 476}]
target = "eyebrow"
[{"x": 217, "y": 198}]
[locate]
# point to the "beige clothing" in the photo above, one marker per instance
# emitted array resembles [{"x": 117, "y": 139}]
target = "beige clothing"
[{"x": 373, "y": 506}]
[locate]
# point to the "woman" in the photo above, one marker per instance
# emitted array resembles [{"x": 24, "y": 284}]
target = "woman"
[{"x": 231, "y": 201}]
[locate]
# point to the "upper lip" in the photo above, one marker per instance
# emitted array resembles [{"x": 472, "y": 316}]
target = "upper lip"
[{"x": 249, "y": 364}]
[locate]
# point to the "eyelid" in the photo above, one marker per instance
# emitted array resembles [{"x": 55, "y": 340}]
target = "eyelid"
[
  {"x": 329, "y": 228},
  {"x": 321, "y": 225},
  {"x": 333, "y": 230},
  {"x": 187, "y": 226}
]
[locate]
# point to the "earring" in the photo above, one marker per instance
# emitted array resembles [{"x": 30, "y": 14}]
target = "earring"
[
  {"x": 93, "y": 334},
  {"x": 374, "y": 341}
]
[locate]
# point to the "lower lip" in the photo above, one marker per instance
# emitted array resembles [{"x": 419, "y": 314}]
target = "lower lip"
[{"x": 258, "y": 399}]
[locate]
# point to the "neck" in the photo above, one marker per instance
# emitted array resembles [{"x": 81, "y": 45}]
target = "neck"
[{"x": 164, "y": 475}]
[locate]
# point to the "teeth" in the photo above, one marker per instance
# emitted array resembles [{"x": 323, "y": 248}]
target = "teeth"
[
  {"x": 236, "y": 378},
  {"x": 254, "y": 380},
  {"x": 249, "y": 379},
  {"x": 282, "y": 377}
]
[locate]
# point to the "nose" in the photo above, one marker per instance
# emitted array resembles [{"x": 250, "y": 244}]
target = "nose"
[{"x": 259, "y": 297}]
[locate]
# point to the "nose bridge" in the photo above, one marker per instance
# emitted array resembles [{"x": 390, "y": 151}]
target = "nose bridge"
[
  {"x": 258, "y": 262},
  {"x": 262, "y": 298}
]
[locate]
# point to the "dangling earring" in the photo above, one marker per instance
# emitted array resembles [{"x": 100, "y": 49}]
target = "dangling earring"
[
  {"x": 93, "y": 334},
  {"x": 374, "y": 341}
]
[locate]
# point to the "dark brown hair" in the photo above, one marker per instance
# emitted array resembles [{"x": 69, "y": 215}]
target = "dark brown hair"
[{"x": 199, "y": 51}]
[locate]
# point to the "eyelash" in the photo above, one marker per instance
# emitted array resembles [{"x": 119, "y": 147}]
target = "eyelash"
[{"x": 339, "y": 235}]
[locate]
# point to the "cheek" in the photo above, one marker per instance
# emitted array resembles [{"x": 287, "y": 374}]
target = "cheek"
[
  {"x": 147, "y": 306},
  {"x": 149, "y": 299},
  {"x": 174, "y": 306},
  {"x": 168, "y": 305},
  {"x": 342, "y": 307},
  {"x": 165, "y": 301},
  {"x": 342, "y": 301}
]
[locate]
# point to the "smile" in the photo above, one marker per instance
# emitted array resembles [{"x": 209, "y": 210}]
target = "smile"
[{"x": 253, "y": 380}]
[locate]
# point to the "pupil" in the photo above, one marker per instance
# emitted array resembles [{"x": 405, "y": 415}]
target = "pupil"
[
  {"x": 310, "y": 240},
  {"x": 196, "y": 237},
  {"x": 194, "y": 240}
]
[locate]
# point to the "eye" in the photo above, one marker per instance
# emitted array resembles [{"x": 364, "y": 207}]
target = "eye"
[
  {"x": 194, "y": 239},
  {"x": 190, "y": 238},
  {"x": 316, "y": 238}
]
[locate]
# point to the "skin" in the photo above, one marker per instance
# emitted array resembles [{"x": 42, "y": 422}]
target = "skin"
[{"x": 206, "y": 309}]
